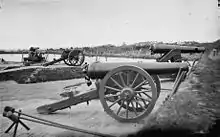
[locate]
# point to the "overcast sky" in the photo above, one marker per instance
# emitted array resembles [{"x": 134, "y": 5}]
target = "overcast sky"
[{"x": 65, "y": 23}]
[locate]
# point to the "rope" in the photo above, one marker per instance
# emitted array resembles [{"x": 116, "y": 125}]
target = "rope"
[
  {"x": 9, "y": 113},
  {"x": 54, "y": 124}
]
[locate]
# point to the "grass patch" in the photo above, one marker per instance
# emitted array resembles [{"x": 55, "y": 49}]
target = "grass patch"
[{"x": 195, "y": 109}]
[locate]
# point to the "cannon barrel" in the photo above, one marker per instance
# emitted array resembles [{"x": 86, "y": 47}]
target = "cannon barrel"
[
  {"x": 53, "y": 62},
  {"x": 98, "y": 70},
  {"x": 161, "y": 48}
]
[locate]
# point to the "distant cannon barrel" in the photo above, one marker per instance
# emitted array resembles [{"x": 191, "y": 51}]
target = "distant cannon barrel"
[
  {"x": 53, "y": 62},
  {"x": 160, "y": 48},
  {"x": 98, "y": 70}
]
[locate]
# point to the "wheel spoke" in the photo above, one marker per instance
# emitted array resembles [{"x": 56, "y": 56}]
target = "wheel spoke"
[
  {"x": 135, "y": 79},
  {"x": 116, "y": 82},
  {"x": 141, "y": 98},
  {"x": 120, "y": 107},
  {"x": 136, "y": 104},
  {"x": 142, "y": 83},
  {"x": 115, "y": 89},
  {"x": 143, "y": 78},
  {"x": 115, "y": 102},
  {"x": 147, "y": 95},
  {"x": 127, "y": 109},
  {"x": 110, "y": 96},
  {"x": 141, "y": 91},
  {"x": 134, "y": 108},
  {"x": 128, "y": 78},
  {"x": 122, "y": 79},
  {"x": 139, "y": 104}
]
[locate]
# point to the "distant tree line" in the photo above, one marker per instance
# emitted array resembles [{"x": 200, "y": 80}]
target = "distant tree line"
[{"x": 140, "y": 49}]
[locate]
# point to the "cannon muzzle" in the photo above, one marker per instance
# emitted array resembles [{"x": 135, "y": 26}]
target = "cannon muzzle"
[
  {"x": 162, "y": 48},
  {"x": 98, "y": 70}
]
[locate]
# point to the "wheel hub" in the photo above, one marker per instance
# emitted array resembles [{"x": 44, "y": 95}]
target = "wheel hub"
[{"x": 127, "y": 93}]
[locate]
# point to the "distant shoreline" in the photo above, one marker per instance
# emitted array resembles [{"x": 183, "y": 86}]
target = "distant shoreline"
[
  {"x": 142, "y": 56},
  {"x": 114, "y": 55}
]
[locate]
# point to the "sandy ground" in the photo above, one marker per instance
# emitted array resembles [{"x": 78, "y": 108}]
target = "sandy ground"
[{"x": 28, "y": 97}]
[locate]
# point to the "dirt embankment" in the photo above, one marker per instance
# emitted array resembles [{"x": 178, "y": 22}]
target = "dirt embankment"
[
  {"x": 34, "y": 74},
  {"x": 194, "y": 110}
]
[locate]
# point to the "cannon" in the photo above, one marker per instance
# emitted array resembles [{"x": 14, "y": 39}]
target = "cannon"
[
  {"x": 34, "y": 56},
  {"x": 173, "y": 52},
  {"x": 70, "y": 57},
  {"x": 127, "y": 91}
]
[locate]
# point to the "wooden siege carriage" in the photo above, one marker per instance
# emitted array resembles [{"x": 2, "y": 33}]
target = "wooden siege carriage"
[
  {"x": 71, "y": 57},
  {"x": 127, "y": 91}
]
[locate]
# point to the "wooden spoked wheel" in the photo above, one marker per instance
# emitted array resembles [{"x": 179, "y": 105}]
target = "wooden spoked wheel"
[
  {"x": 66, "y": 61},
  {"x": 157, "y": 82},
  {"x": 76, "y": 57},
  {"x": 128, "y": 93},
  {"x": 65, "y": 56},
  {"x": 138, "y": 108}
]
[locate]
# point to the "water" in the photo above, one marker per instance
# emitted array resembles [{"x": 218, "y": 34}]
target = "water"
[{"x": 18, "y": 58}]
